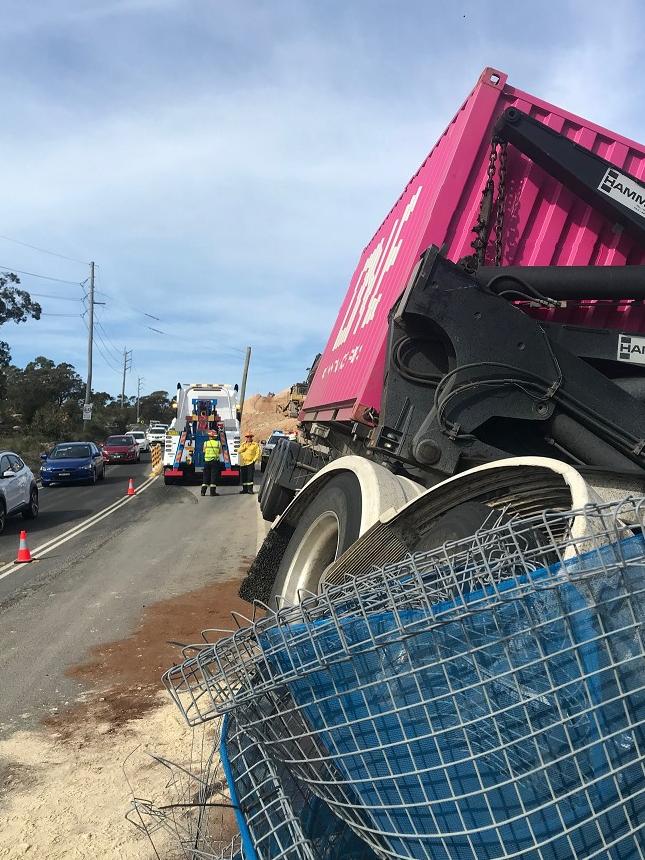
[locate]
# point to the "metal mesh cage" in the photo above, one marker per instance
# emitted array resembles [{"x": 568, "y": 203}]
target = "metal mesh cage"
[
  {"x": 279, "y": 816},
  {"x": 484, "y": 700}
]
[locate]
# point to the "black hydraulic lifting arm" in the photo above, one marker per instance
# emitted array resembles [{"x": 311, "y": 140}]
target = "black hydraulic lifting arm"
[{"x": 605, "y": 187}]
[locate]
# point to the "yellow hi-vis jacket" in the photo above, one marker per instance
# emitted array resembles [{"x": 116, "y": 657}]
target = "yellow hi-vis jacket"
[
  {"x": 248, "y": 452},
  {"x": 212, "y": 450}
]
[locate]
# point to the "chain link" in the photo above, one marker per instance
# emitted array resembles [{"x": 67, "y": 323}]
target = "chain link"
[
  {"x": 501, "y": 205},
  {"x": 482, "y": 226}
]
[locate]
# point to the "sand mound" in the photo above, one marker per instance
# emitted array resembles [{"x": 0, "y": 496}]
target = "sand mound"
[{"x": 263, "y": 414}]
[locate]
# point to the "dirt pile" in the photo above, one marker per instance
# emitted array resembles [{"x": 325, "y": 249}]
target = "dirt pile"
[{"x": 263, "y": 414}]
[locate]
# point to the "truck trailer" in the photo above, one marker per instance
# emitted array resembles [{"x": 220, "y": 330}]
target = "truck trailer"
[
  {"x": 202, "y": 408},
  {"x": 488, "y": 359}
]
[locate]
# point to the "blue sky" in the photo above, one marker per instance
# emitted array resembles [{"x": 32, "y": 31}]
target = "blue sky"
[{"x": 225, "y": 163}]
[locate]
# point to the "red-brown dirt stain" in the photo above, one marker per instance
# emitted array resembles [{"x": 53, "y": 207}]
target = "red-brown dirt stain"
[{"x": 125, "y": 674}]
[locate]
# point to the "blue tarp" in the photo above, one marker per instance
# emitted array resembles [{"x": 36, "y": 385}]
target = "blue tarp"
[{"x": 550, "y": 688}]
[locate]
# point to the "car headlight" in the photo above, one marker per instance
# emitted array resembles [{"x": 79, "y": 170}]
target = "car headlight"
[
  {"x": 45, "y": 468},
  {"x": 86, "y": 467}
]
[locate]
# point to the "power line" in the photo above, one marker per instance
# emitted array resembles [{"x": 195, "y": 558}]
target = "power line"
[
  {"x": 52, "y": 296},
  {"x": 122, "y": 302},
  {"x": 107, "y": 360},
  {"x": 101, "y": 353},
  {"x": 44, "y": 250},
  {"x": 104, "y": 345},
  {"x": 112, "y": 345},
  {"x": 47, "y": 314},
  {"x": 44, "y": 277}
]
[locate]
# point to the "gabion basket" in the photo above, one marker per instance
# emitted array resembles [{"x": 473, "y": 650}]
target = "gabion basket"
[{"x": 484, "y": 700}]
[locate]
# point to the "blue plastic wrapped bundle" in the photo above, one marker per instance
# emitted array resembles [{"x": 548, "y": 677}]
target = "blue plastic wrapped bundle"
[{"x": 513, "y": 728}]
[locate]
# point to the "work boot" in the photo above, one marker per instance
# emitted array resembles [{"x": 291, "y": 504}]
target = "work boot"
[
  {"x": 251, "y": 492},
  {"x": 203, "y": 491},
  {"x": 213, "y": 491},
  {"x": 242, "y": 492}
]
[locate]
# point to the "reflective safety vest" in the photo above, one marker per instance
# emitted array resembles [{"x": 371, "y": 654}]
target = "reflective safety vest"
[{"x": 212, "y": 450}]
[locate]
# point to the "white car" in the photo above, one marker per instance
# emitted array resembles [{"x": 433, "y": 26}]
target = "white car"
[
  {"x": 156, "y": 435},
  {"x": 18, "y": 489},
  {"x": 140, "y": 438}
]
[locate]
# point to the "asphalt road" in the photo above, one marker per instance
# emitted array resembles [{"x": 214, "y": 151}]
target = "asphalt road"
[
  {"x": 94, "y": 586},
  {"x": 62, "y": 505}
]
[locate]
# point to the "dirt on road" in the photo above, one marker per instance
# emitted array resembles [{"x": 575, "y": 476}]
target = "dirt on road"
[{"x": 63, "y": 787}]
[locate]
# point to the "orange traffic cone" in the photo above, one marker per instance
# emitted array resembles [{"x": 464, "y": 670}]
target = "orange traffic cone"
[
  {"x": 23, "y": 550},
  {"x": 131, "y": 490}
]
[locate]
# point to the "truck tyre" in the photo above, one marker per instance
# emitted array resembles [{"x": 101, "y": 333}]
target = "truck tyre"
[
  {"x": 274, "y": 501},
  {"x": 326, "y": 528}
]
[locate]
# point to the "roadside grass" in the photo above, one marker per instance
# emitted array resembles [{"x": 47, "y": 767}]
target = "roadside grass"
[{"x": 27, "y": 446}]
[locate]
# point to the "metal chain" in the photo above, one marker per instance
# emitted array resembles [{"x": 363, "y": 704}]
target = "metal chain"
[
  {"x": 501, "y": 205},
  {"x": 482, "y": 226}
]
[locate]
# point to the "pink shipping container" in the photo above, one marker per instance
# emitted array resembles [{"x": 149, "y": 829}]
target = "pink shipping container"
[{"x": 545, "y": 224}]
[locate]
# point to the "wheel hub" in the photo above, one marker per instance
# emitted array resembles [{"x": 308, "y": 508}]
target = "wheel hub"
[{"x": 316, "y": 552}]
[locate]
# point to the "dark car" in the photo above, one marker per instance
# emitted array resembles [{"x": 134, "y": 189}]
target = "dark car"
[
  {"x": 72, "y": 461},
  {"x": 121, "y": 449}
]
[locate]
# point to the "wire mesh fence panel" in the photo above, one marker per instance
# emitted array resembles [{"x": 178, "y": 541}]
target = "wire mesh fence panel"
[
  {"x": 483, "y": 700},
  {"x": 279, "y": 816}
]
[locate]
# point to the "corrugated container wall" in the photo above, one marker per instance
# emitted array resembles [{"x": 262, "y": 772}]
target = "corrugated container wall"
[{"x": 544, "y": 224}]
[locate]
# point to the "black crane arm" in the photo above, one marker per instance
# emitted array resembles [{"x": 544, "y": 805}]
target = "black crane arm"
[{"x": 605, "y": 187}]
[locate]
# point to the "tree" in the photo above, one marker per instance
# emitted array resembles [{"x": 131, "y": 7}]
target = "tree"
[
  {"x": 156, "y": 407},
  {"x": 43, "y": 383},
  {"x": 15, "y": 305}
]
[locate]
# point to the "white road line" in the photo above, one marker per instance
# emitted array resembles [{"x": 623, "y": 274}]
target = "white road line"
[
  {"x": 55, "y": 542},
  {"x": 99, "y": 514}
]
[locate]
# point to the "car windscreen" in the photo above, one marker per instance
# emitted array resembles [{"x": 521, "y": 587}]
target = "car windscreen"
[
  {"x": 138, "y": 435},
  {"x": 119, "y": 440},
  {"x": 275, "y": 439},
  {"x": 70, "y": 452}
]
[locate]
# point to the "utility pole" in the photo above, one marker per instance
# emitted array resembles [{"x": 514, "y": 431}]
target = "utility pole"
[
  {"x": 245, "y": 373},
  {"x": 140, "y": 379},
  {"x": 90, "y": 341},
  {"x": 127, "y": 364}
]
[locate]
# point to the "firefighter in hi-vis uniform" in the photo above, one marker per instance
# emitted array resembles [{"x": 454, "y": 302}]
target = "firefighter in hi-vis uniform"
[{"x": 247, "y": 455}]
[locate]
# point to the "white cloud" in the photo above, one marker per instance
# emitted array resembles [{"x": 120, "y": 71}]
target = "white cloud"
[{"x": 226, "y": 165}]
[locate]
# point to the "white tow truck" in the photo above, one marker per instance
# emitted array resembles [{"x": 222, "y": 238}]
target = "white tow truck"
[{"x": 202, "y": 407}]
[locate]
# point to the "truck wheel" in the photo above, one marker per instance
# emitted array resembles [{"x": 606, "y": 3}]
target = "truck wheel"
[
  {"x": 274, "y": 501},
  {"x": 326, "y": 528}
]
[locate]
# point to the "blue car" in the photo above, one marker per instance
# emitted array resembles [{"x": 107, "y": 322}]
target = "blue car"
[{"x": 72, "y": 461}]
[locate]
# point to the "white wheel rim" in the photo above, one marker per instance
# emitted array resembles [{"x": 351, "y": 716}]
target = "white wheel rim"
[{"x": 316, "y": 551}]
